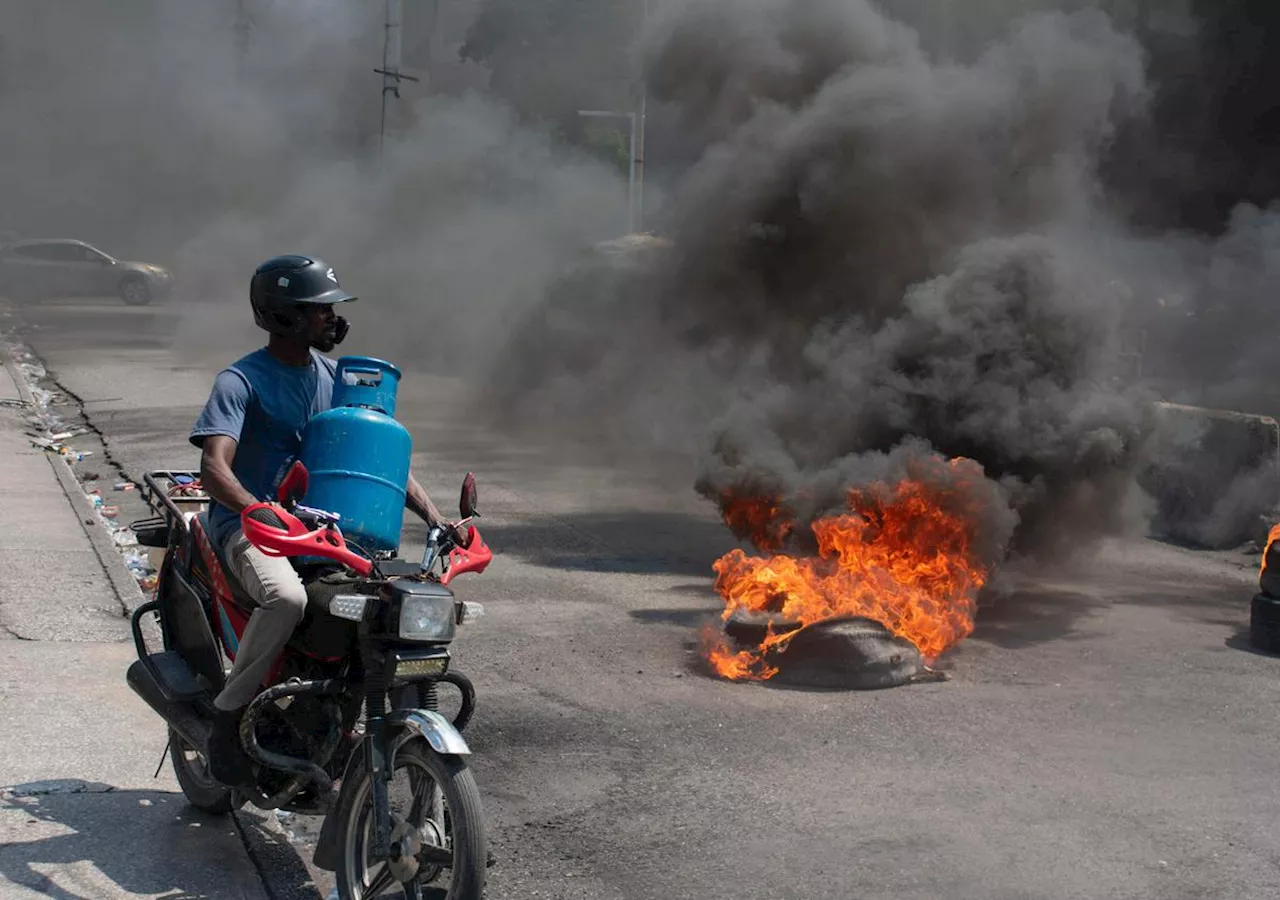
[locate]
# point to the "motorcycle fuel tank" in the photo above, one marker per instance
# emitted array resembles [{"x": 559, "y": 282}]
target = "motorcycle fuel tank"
[{"x": 357, "y": 454}]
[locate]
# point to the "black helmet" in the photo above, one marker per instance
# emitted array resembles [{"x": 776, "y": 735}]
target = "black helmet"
[{"x": 284, "y": 284}]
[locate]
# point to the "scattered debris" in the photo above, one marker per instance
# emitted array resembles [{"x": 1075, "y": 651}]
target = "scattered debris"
[{"x": 50, "y": 433}]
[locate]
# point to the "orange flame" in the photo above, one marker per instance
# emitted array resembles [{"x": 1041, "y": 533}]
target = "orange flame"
[
  {"x": 902, "y": 557},
  {"x": 763, "y": 520},
  {"x": 1272, "y": 536}
]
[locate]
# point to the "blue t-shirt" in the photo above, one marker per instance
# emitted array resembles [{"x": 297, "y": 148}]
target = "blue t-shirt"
[{"x": 264, "y": 404}]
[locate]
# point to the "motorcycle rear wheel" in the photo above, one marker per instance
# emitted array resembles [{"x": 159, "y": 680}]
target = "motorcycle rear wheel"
[
  {"x": 201, "y": 789},
  {"x": 357, "y": 880}
]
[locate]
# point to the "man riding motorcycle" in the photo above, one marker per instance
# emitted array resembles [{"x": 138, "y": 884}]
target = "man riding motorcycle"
[{"x": 250, "y": 432}]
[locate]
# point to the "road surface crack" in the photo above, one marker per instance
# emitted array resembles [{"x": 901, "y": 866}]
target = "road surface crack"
[{"x": 13, "y": 634}]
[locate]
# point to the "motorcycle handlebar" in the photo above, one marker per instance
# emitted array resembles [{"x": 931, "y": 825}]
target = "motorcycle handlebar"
[
  {"x": 440, "y": 541},
  {"x": 318, "y": 516}
]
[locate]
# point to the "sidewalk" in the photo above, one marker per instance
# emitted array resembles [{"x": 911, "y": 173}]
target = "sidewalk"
[
  {"x": 80, "y": 813},
  {"x": 49, "y": 538}
]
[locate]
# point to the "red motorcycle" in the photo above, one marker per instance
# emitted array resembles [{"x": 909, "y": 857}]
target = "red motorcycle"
[{"x": 353, "y": 697}]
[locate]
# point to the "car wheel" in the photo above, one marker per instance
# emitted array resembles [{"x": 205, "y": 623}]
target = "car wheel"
[{"x": 135, "y": 292}]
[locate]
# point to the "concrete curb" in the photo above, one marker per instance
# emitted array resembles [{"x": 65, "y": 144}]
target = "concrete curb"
[
  {"x": 122, "y": 580},
  {"x": 19, "y": 380}
]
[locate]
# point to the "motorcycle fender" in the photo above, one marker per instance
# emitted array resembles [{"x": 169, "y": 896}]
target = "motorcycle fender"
[
  {"x": 402, "y": 725},
  {"x": 432, "y": 727}
]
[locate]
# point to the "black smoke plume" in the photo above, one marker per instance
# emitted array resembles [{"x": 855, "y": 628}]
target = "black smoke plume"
[{"x": 878, "y": 248}]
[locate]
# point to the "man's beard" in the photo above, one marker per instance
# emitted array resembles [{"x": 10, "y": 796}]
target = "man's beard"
[{"x": 331, "y": 338}]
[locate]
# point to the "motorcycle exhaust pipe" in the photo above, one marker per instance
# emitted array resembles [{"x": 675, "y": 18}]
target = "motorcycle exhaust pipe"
[
  {"x": 184, "y": 718},
  {"x": 304, "y": 768}
]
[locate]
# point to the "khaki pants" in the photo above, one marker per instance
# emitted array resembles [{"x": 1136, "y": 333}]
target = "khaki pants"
[{"x": 274, "y": 584}]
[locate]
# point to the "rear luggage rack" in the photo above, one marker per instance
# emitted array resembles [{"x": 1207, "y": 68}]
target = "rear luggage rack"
[{"x": 174, "y": 495}]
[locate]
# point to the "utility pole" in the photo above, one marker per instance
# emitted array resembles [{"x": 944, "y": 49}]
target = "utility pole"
[
  {"x": 632, "y": 169},
  {"x": 637, "y": 132},
  {"x": 433, "y": 24},
  {"x": 390, "y": 71},
  {"x": 241, "y": 28}
]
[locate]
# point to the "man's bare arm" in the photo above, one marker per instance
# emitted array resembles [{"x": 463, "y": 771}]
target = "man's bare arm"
[
  {"x": 420, "y": 504},
  {"x": 217, "y": 477}
]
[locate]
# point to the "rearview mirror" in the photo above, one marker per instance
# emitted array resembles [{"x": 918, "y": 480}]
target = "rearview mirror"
[
  {"x": 467, "y": 502},
  {"x": 293, "y": 487}
]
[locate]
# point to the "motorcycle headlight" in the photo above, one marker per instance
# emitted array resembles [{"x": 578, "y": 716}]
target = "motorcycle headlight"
[{"x": 427, "y": 618}]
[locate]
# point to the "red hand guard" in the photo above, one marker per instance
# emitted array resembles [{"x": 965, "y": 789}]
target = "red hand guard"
[
  {"x": 472, "y": 558},
  {"x": 294, "y": 539}
]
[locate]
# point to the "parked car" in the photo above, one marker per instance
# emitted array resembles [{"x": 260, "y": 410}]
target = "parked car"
[{"x": 35, "y": 269}]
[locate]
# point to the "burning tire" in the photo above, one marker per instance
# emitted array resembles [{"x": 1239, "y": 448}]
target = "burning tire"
[
  {"x": 1264, "y": 623},
  {"x": 841, "y": 653},
  {"x": 750, "y": 629}
]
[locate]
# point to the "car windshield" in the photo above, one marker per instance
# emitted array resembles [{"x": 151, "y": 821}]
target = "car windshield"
[{"x": 93, "y": 254}]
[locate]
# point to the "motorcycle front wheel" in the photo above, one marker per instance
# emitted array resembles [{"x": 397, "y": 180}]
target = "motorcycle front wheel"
[{"x": 436, "y": 821}]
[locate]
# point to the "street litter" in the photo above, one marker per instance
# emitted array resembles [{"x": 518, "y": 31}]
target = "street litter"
[
  {"x": 139, "y": 565},
  {"x": 62, "y": 450},
  {"x": 50, "y": 434}
]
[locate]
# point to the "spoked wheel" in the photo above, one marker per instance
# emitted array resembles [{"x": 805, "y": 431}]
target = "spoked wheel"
[
  {"x": 437, "y": 832},
  {"x": 201, "y": 789},
  {"x": 135, "y": 292}
]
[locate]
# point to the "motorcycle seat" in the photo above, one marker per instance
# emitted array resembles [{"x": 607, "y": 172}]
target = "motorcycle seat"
[
  {"x": 317, "y": 600},
  {"x": 216, "y": 562}
]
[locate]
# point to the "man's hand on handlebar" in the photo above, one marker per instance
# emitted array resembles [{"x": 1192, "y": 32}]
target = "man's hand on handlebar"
[{"x": 457, "y": 535}]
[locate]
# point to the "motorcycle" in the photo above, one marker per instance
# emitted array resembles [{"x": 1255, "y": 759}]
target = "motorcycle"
[{"x": 374, "y": 640}]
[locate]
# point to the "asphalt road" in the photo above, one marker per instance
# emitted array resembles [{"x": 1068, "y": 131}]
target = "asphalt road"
[{"x": 1106, "y": 733}]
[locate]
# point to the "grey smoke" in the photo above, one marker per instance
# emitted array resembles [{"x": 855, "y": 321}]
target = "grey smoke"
[
  {"x": 139, "y": 126},
  {"x": 467, "y": 219}
]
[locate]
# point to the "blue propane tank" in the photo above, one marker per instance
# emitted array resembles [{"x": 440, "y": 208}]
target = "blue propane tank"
[{"x": 357, "y": 454}]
